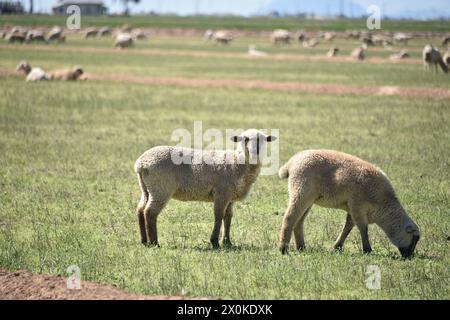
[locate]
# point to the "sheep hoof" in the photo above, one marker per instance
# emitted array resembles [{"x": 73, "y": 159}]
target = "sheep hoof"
[
  {"x": 338, "y": 247},
  {"x": 301, "y": 248},
  {"x": 227, "y": 243},
  {"x": 283, "y": 249},
  {"x": 367, "y": 250},
  {"x": 215, "y": 244},
  {"x": 152, "y": 244}
]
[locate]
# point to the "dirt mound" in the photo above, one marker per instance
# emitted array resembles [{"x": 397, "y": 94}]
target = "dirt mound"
[{"x": 23, "y": 285}]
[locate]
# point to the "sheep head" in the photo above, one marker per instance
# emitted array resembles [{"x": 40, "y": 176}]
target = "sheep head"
[
  {"x": 24, "y": 66},
  {"x": 403, "y": 232},
  {"x": 253, "y": 144}
]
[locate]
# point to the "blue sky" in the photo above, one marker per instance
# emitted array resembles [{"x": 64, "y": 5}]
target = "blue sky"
[{"x": 396, "y": 8}]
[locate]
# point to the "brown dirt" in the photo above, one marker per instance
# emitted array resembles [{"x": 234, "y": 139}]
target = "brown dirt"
[
  {"x": 23, "y": 285},
  {"x": 435, "y": 93},
  {"x": 206, "y": 54}
]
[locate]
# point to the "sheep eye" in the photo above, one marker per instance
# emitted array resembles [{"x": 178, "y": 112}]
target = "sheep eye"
[{"x": 246, "y": 139}]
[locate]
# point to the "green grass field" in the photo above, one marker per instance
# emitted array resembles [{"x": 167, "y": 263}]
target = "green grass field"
[
  {"x": 68, "y": 190},
  {"x": 229, "y": 22}
]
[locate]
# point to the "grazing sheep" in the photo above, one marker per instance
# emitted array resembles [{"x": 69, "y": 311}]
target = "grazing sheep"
[
  {"x": 352, "y": 34},
  {"x": 432, "y": 56},
  {"x": 301, "y": 36},
  {"x": 446, "y": 40},
  {"x": 35, "y": 36},
  {"x": 138, "y": 34},
  {"x": 332, "y": 52},
  {"x": 208, "y": 35},
  {"x": 446, "y": 58},
  {"x": 311, "y": 43},
  {"x": 401, "y": 37},
  {"x": 67, "y": 74},
  {"x": 329, "y": 36},
  {"x": 104, "y": 31},
  {"x": 358, "y": 53},
  {"x": 334, "y": 179},
  {"x": 280, "y": 37},
  {"x": 399, "y": 55},
  {"x": 124, "y": 40},
  {"x": 382, "y": 40},
  {"x": 220, "y": 176},
  {"x": 255, "y": 53},
  {"x": 19, "y": 30},
  {"x": 15, "y": 37},
  {"x": 56, "y": 34},
  {"x": 90, "y": 33},
  {"x": 33, "y": 74},
  {"x": 222, "y": 36}
]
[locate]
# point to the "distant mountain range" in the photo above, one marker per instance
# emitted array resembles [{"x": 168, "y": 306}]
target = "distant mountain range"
[{"x": 349, "y": 8}]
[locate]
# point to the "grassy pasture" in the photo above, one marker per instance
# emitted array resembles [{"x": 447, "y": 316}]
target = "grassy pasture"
[
  {"x": 68, "y": 191},
  {"x": 228, "y": 22}
]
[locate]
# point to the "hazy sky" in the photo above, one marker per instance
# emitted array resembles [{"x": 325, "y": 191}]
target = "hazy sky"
[{"x": 249, "y": 7}]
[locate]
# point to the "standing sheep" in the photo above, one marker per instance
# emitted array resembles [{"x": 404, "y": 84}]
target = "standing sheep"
[
  {"x": 358, "y": 53},
  {"x": 431, "y": 56},
  {"x": 280, "y": 37},
  {"x": 221, "y": 176},
  {"x": 33, "y": 74},
  {"x": 90, "y": 33},
  {"x": 332, "y": 52},
  {"x": 337, "y": 180},
  {"x": 123, "y": 40},
  {"x": 219, "y": 36},
  {"x": 56, "y": 34}
]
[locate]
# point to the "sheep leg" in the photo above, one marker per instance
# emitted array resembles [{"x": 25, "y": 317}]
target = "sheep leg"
[
  {"x": 294, "y": 212},
  {"x": 141, "y": 217},
  {"x": 219, "y": 211},
  {"x": 299, "y": 233},
  {"x": 227, "y": 224},
  {"x": 151, "y": 212},
  {"x": 345, "y": 232}
]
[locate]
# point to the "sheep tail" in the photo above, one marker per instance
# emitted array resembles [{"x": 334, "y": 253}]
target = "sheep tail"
[
  {"x": 139, "y": 170},
  {"x": 283, "y": 173}
]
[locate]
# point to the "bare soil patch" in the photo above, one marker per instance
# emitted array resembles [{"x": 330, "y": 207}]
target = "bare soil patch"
[
  {"x": 325, "y": 88},
  {"x": 23, "y": 285}
]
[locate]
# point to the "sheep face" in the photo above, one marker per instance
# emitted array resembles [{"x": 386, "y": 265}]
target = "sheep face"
[
  {"x": 405, "y": 237},
  {"x": 24, "y": 66},
  {"x": 253, "y": 143}
]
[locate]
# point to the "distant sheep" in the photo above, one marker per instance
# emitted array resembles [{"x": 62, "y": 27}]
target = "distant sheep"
[
  {"x": 15, "y": 37},
  {"x": 221, "y": 36},
  {"x": 56, "y": 34},
  {"x": 124, "y": 40},
  {"x": 35, "y": 36},
  {"x": 446, "y": 58},
  {"x": 431, "y": 56},
  {"x": 399, "y": 55},
  {"x": 138, "y": 34},
  {"x": 401, "y": 37},
  {"x": 358, "y": 53},
  {"x": 333, "y": 179},
  {"x": 90, "y": 33},
  {"x": 446, "y": 40},
  {"x": 67, "y": 74},
  {"x": 332, "y": 52},
  {"x": 221, "y": 176},
  {"x": 311, "y": 43},
  {"x": 32, "y": 74},
  {"x": 104, "y": 32},
  {"x": 280, "y": 36}
]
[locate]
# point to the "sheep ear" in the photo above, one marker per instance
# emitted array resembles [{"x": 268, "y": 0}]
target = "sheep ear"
[
  {"x": 236, "y": 138},
  {"x": 270, "y": 138}
]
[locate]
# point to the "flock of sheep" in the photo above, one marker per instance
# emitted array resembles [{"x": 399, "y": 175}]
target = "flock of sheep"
[
  {"x": 324, "y": 177},
  {"x": 279, "y": 37},
  {"x": 126, "y": 36}
]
